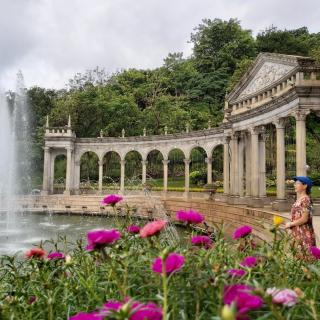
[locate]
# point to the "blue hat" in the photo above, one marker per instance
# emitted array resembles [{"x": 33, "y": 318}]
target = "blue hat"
[{"x": 304, "y": 180}]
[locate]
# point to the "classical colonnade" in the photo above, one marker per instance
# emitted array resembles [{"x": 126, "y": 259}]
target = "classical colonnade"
[{"x": 275, "y": 88}]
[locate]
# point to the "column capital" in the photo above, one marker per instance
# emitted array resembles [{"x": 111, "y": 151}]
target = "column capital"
[
  {"x": 226, "y": 139},
  {"x": 144, "y": 162},
  {"x": 69, "y": 148},
  {"x": 186, "y": 161},
  {"x": 122, "y": 162},
  {"x": 46, "y": 149},
  {"x": 166, "y": 162},
  {"x": 208, "y": 160},
  {"x": 100, "y": 162},
  {"x": 235, "y": 135},
  {"x": 301, "y": 115},
  {"x": 280, "y": 123},
  {"x": 257, "y": 130}
]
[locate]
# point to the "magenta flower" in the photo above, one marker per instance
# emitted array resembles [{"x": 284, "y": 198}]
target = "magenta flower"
[
  {"x": 243, "y": 298},
  {"x": 56, "y": 255},
  {"x": 249, "y": 262},
  {"x": 32, "y": 299},
  {"x": 201, "y": 241},
  {"x": 236, "y": 273},
  {"x": 87, "y": 316},
  {"x": 315, "y": 252},
  {"x": 98, "y": 239},
  {"x": 133, "y": 229},
  {"x": 137, "y": 311},
  {"x": 152, "y": 228},
  {"x": 174, "y": 262},
  {"x": 286, "y": 297},
  {"x": 189, "y": 216},
  {"x": 111, "y": 200},
  {"x": 241, "y": 232}
]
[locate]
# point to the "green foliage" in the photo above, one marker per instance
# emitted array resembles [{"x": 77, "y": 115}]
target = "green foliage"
[{"x": 198, "y": 177}]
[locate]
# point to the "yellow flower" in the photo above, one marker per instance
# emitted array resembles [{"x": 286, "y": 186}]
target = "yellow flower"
[
  {"x": 228, "y": 312},
  {"x": 277, "y": 221}
]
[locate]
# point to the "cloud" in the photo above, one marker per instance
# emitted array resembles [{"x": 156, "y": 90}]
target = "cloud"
[{"x": 51, "y": 40}]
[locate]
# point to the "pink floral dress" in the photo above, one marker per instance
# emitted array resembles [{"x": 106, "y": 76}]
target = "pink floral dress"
[{"x": 304, "y": 236}]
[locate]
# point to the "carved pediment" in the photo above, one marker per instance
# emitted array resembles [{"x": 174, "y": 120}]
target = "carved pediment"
[
  {"x": 268, "y": 68},
  {"x": 269, "y": 73}
]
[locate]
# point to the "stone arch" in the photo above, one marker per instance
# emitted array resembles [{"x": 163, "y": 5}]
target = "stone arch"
[
  {"x": 192, "y": 147},
  {"x": 58, "y": 172},
  {"x": 89, "y": 171},
  {"x": 176, "y": 168},
  {"x": 111, "y": 170},
  {"x": 83, "y": 151},
  {"x": 198, "y": 167},
  {"x": 133, "y": 168},
  {"x": 154, "y": 171}
]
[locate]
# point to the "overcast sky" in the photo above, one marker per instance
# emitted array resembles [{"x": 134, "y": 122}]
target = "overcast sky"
[{"x": 51, "y": 40}]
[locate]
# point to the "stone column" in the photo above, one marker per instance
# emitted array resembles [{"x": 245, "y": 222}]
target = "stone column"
[
  {"x": 100, "y": 175},
  {"x": 262, "y": 166},
  {"x": 122, "y": 175},
  {"x": 226, "y": 167},
  {"x": 248, "y": 164},
  {"x": 77, "y": 177},
  {"x": 144, "y": 171},
  {"x": 301, "y": 161},
  {"x": 165, "y": 175},
  {"x": 234, "y": 181},
  {"x": 209, "y": 170},
  {"x": 186, "y": 177},
  {"x": 255, "y": 201},
  {"x": 241, "y": 166},
  {"x": 51, "y": 180},
  {"x": 46, "y": 171},
  {"x": 68, "y": 171},
  {"x": 281, "y": 161}
]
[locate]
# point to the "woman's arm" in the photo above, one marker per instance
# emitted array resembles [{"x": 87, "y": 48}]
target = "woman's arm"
[{"x": 304, "y": 219}]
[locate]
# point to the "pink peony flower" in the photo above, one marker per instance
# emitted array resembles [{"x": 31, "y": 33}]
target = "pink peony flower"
[
  {"x": 87, "y": 316},
  {"x": 56, "y": 255},
  {"x": 241, "y": 232},
  {"x": 174, "y": 262},
  {"x": 286, "y": 297},
  {"x": 133, "y": 229},
  {"x": 35, "y": 253},
  {"x": 152, "y": 228},
  {"x": 315, "y": 252},
  {"x": 201, "y": 241},
  {"x": 111, "y": 200},
  {"x": 189, "y": 216},
  {"x": 249, "y": 262},
  {"x": 100, "y": 238},
  {"x": 236, "y": 273},
  {"x": 243, "y": 298}
]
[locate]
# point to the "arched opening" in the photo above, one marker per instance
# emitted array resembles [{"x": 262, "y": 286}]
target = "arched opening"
[
  {"x": 155, "y": 169},
  {"x": 198, "y": 167},
  {"x": 133, "y": 170},
  {"x": 89, "y": 172},
  {"x": 217, "y": 167},
  {"x": 176, "y": 170},
  {"x": 59, "y": 174},
  {"x": 111, "y": 171}
]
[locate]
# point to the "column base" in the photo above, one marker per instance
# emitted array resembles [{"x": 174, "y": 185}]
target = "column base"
[
  {"x": 282, "y": 205},
  {"x": 236, "y": 200},
  {"x": 223, "y": 197},
  {"x": 76, "y": 192},
  {"x": 186, "y": 195},
  {"x": 255, "y": 202},
  {"x": 67, "y": 192},
  {"x": 44, "y": 192}
]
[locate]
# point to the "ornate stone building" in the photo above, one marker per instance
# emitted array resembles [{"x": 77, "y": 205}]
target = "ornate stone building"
[{"x": 274, "y": 88}]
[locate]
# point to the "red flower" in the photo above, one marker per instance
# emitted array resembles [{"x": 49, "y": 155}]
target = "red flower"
[
  {"x": 35, "y": 253},
  {"x": 133, "y": 229},
  {"x": 152, "y": 228}
]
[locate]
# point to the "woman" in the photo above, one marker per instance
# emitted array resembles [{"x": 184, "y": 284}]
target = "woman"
[{"x": 301, "y": 219}]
